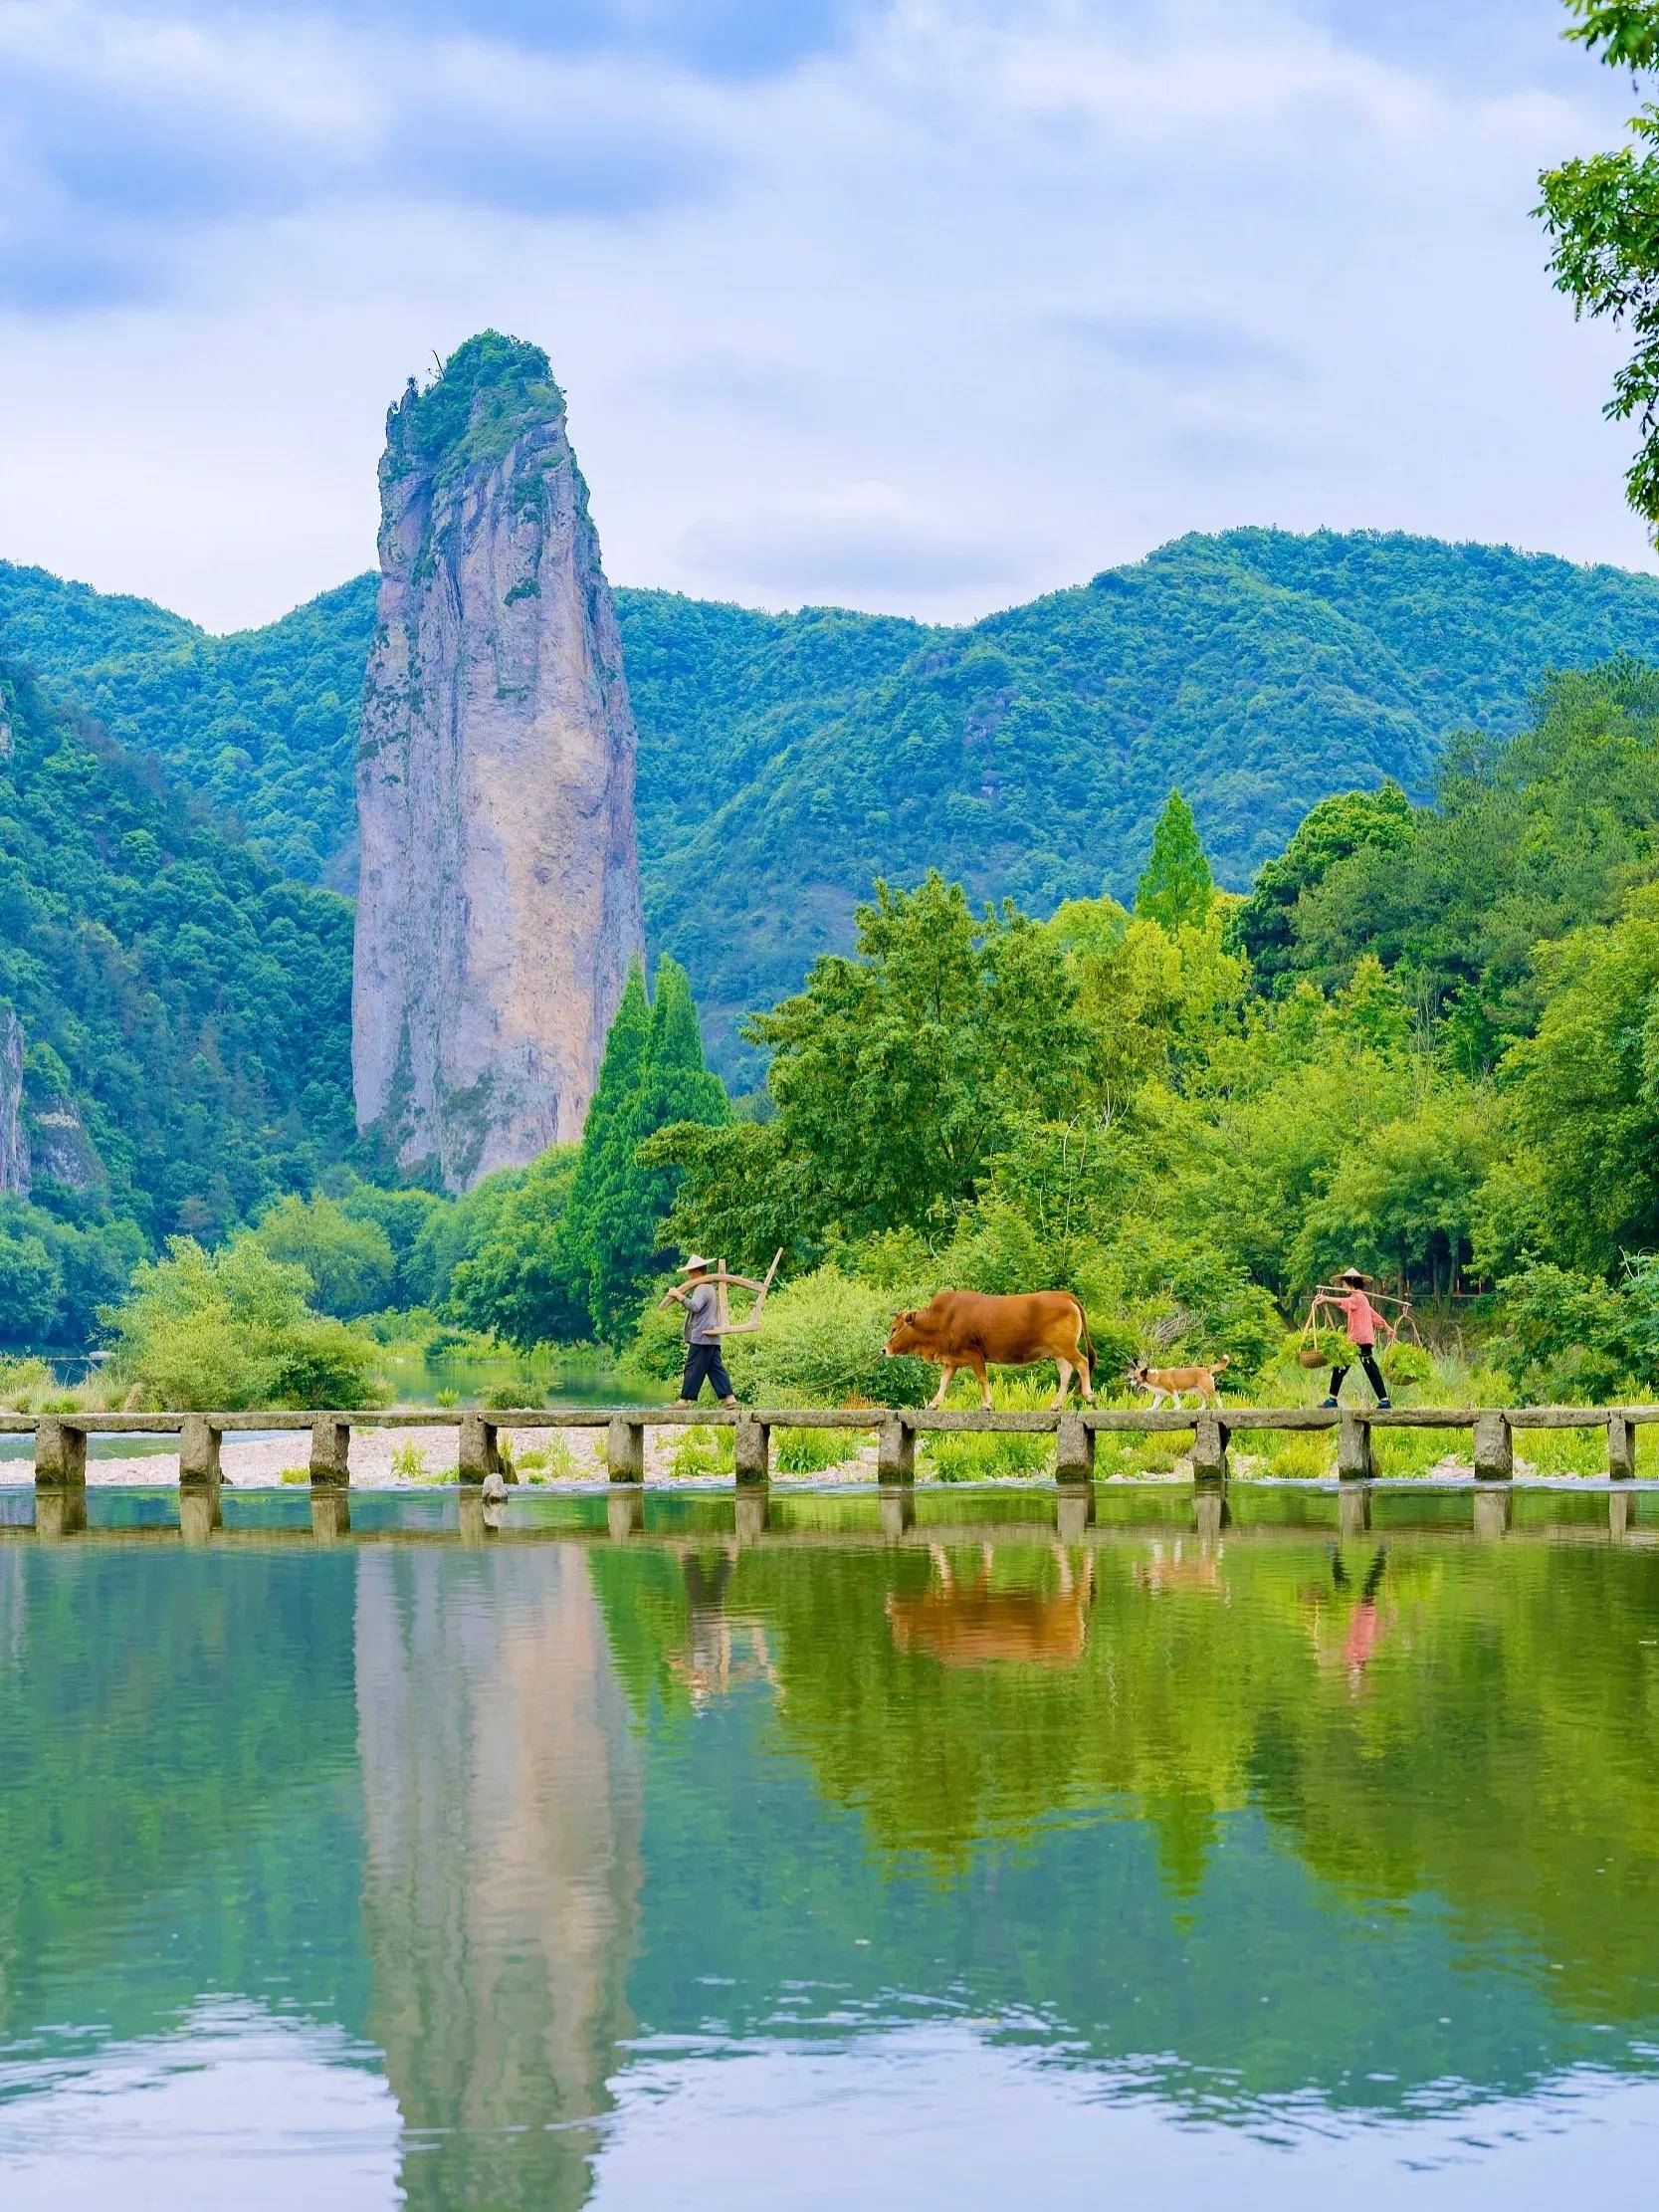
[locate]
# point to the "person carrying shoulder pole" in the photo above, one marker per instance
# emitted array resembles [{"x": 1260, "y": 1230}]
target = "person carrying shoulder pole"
[
  {"x": 1363, "y": 1321},
  {"x": 701, "y": 1299}
]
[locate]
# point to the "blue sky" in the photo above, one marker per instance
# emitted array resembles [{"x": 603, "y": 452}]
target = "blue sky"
[{"x": 923, "y": 304}]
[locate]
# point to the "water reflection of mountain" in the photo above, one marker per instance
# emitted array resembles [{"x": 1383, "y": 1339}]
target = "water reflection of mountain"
[
  {"x": 1255, "y": 1850},
  {"x": 502, "y": 1808}
]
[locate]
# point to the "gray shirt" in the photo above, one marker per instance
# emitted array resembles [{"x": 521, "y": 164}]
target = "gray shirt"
[{"x": 703, "y": 1312}]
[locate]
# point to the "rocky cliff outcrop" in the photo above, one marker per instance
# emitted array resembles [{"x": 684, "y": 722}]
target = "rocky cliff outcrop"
[
  {"x": 499, "y": 896},
  {"x": 14, "y": 1141}
]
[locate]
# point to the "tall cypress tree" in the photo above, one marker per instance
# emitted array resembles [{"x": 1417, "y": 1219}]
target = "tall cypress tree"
[
  {"x": 672, "y": 1083},
  {"x": 608, "y": 1132},
  {"x": 679, "y": 1087},
  {"x": 1176, "y": 885}
]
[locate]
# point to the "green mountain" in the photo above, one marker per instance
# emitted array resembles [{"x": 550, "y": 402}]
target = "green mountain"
[
  {"x": 174, "y": 1017},
  {"x": 785, "y": 760},
  {"x": 262, "y": 724}
]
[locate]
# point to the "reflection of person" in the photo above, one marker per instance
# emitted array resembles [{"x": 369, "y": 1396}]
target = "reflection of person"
[
  {"x": 1363, "y": 1321},
  {"x": 1365, "y": 1628},
  {"x": 700, "y": 1300},
  {"x": 709, "y": 1666}
]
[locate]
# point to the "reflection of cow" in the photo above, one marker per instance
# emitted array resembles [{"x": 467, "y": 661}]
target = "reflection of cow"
[
  {"x": 964, "y": 1328},
  {"x": 978, "y": 1626}
]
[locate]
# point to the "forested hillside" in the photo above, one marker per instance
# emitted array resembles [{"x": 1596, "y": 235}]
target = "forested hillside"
[
  {"x": 262, "y": 724},
  {"x": 785, "y": 760},
  {"x": 181, "y": 1017}
]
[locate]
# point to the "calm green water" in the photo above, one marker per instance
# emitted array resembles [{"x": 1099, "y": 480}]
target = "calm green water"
[{"x": 545, "y": 1868}]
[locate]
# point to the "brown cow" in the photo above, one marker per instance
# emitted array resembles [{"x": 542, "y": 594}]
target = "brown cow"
[
  {"x": 978, "y": 1626},
  {"x": 964, "y": 1328}
]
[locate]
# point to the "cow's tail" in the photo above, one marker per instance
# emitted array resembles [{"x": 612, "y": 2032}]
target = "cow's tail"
[{"x": 1082, "y": 1324}]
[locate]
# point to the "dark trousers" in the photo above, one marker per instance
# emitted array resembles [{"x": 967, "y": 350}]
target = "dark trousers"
[
  {"x": 1373, "y": 1372},
  {"x": 704, "y": 1364}
]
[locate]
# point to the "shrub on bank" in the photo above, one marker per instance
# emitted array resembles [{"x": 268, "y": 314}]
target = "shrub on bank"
[
  {"x": 820, "y": 1344},
  {"x": 24, "y": 1383},
  {"x": 230, "y": 1330}
]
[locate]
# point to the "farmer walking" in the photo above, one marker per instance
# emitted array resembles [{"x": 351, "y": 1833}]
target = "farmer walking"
[
  {"x": 1362, "y": 1322},
  {"x": 701, "y": 1299}
]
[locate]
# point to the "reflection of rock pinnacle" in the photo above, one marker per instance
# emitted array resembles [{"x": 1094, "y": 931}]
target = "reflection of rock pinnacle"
[{"x": 503, "y": 1808}]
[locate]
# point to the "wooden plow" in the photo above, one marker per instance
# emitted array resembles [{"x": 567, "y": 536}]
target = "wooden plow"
[{"x": 724, "y": 1283}]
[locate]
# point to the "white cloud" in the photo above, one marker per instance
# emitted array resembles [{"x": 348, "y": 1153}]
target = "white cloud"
[
  {"x": 861, "y": 544},
  {"x": 1059, "y": 279}
]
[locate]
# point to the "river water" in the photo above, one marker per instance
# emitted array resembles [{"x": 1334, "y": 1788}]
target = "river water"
[{"x": 1279, "y": 1866}]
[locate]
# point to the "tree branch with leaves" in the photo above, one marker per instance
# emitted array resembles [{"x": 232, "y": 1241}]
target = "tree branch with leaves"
[{"x": 1601, "y": 214}]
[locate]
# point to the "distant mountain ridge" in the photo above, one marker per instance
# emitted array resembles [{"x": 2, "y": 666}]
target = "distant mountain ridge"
[{"x": 786, "y": 760}]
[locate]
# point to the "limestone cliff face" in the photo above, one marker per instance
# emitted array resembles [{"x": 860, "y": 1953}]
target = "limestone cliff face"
[
  {"x": 14, "y": 1141},
  {"x": 499, "y": 896}
]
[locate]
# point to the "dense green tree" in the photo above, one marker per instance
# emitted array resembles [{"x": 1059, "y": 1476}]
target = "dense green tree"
[
  {"x": 1602, "y": 212},
  {"x": 31, "y": 1282},
  {"x": 1175, "y": 885},
  {"x": 895, "y": 1073},
  {"x": 1347, "y": 822},
  {"x": 517, "y": 1281},
  {"x": 402, "y": 1216},
  {"x": 1527, "y": 838},
  {"x": 675, "y": 1087},
  {"x": 95, "y": 1254},
  {"x": 1584, "y": 1090},
  {"x": 1404, "y": 1204},
  {"x": 608, "y": 1139},
  {"x": 1154, "y": 1003},
  {"x": 452, "y": 1230},
  {"x": 351, "y": 1261},
  {"x": 569, "y": 1246},
  {"x": 741, "y": 1193}
]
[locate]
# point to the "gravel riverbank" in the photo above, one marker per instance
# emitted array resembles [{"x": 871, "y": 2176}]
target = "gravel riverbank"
[{"x": 381, "y": 1460}]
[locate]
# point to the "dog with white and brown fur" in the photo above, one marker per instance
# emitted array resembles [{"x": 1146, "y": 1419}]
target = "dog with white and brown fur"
[{"x": 1168, "y": 1384}]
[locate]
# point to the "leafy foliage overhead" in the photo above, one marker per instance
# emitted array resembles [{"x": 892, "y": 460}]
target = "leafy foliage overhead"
[{"x": 1601, "y": 214}]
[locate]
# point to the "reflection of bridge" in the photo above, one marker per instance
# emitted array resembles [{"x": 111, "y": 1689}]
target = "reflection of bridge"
[
  {"x": 61, "y": 1439},
  {"x": 880, "y": 1518}
]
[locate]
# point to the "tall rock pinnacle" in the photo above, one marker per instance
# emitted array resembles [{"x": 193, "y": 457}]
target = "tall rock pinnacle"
[{"x": 499, "y": 902}]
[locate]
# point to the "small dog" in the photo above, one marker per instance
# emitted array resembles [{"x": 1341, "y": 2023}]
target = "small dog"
[{"x": 1167, "y": 1384}]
